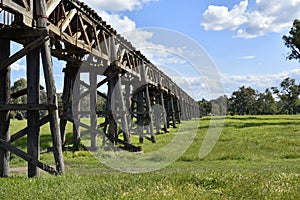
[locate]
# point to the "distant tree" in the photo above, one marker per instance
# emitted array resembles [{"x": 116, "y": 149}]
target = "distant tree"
[
  {"x": 266, "y": 104},
  {"x": 243, "y": 101},
  {"x": 292, "y": 41},
  {"x": 205, "y": 107},
  {"x": 18, "y": 85},
  {"x": 288, "y": 95}
]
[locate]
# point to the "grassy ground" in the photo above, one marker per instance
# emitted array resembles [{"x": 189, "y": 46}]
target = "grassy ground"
[{"x": 256, "y": 157}]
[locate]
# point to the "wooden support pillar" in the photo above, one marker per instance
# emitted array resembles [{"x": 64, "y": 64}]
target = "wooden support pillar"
[
  {"x": 128, "y": 103},
  {"x": 140, "y": 116},
  {"x": 93, "y": 107},
  {"x": 173, "y": 111},
  {"x": 4, "y": 115},
  {"x": 162, "y": 103},
  {"x": 177, "y": 110},
  {"x": 42, "y": 23},
  {"x": 33, "y": 116},
  {"x": 66, "y": 101},
  {"x": 122, "y": 109},
  {"x": 76, "y": 109},
  {"x": 183, "y": 110},
  {"x": 149, "y": 112},
  {"x": 112, "y": 134}
]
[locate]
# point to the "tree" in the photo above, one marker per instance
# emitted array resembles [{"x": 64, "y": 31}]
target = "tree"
[
  {"x": 288, "y": 95},
  {"x": 292, "y": 41},
  {"x": 266, "y": 104},
  {"x": 18, "y": 85},
  {"x": 243, "y": 101},
  {"x": 204, "y": 107}
]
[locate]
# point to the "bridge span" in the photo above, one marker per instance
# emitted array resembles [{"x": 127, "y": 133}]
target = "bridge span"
[{"x": 140, "y": 99}]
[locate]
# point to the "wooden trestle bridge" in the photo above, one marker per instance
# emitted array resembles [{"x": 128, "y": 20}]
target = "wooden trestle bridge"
[{"x": 71, "y": 31}]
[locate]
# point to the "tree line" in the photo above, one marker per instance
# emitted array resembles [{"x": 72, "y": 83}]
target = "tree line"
[
  {"x": 247, "y": 101},
  {"x": 274, "y": 100}
]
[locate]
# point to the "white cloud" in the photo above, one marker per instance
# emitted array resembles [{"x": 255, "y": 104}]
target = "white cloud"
[
  {"x": 219, "y": 17},
  {"x": 18, "y": 66},
  {"x": 231, "y": 83},
  {"x": 118, "y": 5},
  {"x": 265, "y": 17},
  {"x": 247, "y": 57},
  {"x": 120, "y": 23}
]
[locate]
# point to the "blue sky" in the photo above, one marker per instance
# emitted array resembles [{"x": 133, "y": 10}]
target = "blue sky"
[{"x": 242, "y": 38}]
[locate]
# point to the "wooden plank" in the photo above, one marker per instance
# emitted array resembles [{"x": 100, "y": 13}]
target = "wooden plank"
[
  {"x": 4, "y": 115},
  {"x": 21, "y": 93},
  {"x": 24, "y": 131},
  {"x": 14, "y": 33},
  {"x": 70, "y": 15},
  {"x": 83, "y": 27},
  {"x": 28, "y": 48},
  {"x": 51, "y": 5},
  {"x": 41, "y": 8},
  {"x": 17, "y": 9},
  {"x": 29, "y": 158}
]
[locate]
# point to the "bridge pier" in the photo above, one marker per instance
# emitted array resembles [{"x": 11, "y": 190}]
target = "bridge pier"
[
  {"x": 33, "y": 116},
  {"x": 4, "y": 115}
]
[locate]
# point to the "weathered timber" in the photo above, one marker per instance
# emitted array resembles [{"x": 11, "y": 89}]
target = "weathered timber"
[
  {"x": 24, "y": 131},
  {"x": 31, "y": 46},
  {"x": 66, "y": 101},
  {"x": 4, "y": 115},
  {"x": 22, "y": 92},
  {"x": 31, "y": 106},
  {"x": 76, "y": 108},
  {"x": 42, "y": 23},
  {"x": 93, "y": 107},
  {"x": 33, "y": 91},
  {"x": 29, "y": 158}
]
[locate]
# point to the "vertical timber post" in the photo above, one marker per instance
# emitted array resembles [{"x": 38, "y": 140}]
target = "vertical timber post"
[
  {"x": 93, "y": 106},
  {"x": 149, "y": 112},
  {"x": 147, "y": 102},
  {"x": 117, "y": 91},
  {"x": 33, "y": 92},
  {"x": 76, "y": 108},
  {"x": 4, "y": 115},
  {"x": 140, "y": 116},
  {"x": 122, "y": 108},
  {"x": 66, "y": 101},
  {"x": 173, "y": 111},
  {"x": 109, "y": 104},
  {"x": 41, "y": 10},
  {"x": 162, "y": 103}
]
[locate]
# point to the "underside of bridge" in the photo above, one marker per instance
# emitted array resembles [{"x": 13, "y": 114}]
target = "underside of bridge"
[{"x": 100, "y": 64}]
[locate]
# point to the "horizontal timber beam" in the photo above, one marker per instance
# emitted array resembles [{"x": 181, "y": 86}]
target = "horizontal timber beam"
[{"x": 27, "y": 107}]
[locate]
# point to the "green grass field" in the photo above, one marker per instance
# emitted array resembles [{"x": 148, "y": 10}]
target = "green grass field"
[{"x": 256, "y": 157}]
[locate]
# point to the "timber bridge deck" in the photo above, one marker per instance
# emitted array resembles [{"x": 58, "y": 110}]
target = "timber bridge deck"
[{"x": 71, "y": 31}]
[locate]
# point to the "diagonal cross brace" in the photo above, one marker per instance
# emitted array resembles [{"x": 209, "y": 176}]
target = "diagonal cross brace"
[
  {"x": 28, "y": 158},
  {"x": 28, "y": 48}
]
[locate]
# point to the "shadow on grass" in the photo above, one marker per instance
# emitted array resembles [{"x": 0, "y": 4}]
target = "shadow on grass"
[{"x": 252, "y": 121}]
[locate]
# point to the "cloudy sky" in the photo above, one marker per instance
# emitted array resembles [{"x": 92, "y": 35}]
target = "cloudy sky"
[{"x": 241, "y": 37}]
